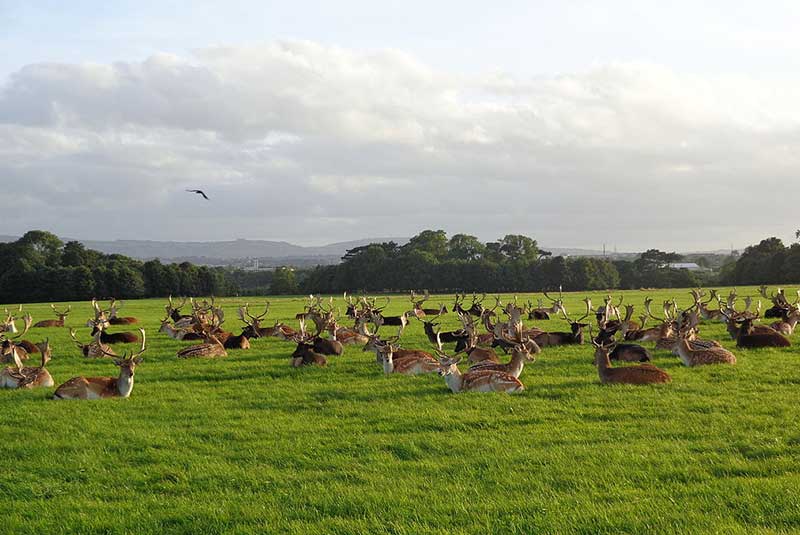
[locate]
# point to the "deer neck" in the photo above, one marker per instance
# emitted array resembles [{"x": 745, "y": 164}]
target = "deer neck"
[
  {"x": 124, "y": 383},
  {"x": 454, "y": 381},
  {"x": 388, "y": 363},
  {"x": 517, "y": 363}
]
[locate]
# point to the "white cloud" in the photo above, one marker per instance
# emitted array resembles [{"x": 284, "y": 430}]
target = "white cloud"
[{"x": 300, "y": 141}]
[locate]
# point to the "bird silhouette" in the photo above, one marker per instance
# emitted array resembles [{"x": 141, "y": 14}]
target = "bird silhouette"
[{"x": 199, "y": 192}]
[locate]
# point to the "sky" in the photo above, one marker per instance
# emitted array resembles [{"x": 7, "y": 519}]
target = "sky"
[{"x": 633, "y": 124}]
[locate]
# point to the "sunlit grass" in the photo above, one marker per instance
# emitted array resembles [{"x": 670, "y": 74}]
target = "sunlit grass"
[{"x": 246, "y": 444}]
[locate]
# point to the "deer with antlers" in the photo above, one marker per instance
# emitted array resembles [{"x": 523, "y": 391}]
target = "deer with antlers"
[
  {"x": 702, "y": 306},
  {"x": 469, "y": 344},
  {"x": 62, "y": 315},
  {"x": 410, "y": 363},
  {"x": 789, "y": 321},
  {"x": 419, "y": 312},
  {"x": 113, "y": 314},
  {"x": 212, "y": 347},
  {"x": 575, "y": 336},
  {"x": 95, "y": 349},
  {"x": 543, "y": 313},
  {"x": 475, "y": 381},
  {"x": 640, "y": 374},
  {"x": 780, "y": 305},
  {"x": 10, "y": 347},
  {"x": 174, "y": 312},
  {"x": 475, "y": 308},
  {"x": 305, "y": 354},
  {"x": 19, "y": 376},
  {"x": 105, "y": 387},
  {"x": 522, "y": 350},
  {"x": 742, "y": 329}
]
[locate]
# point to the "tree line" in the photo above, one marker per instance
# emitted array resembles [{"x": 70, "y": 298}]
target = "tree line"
[{"x": 40, "y": 267}]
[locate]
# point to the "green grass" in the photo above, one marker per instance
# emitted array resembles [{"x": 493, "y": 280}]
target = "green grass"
[{"x": 246, "y": 444}]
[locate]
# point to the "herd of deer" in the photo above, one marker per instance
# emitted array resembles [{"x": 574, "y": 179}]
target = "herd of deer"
[{"x": 616, "y": 339}]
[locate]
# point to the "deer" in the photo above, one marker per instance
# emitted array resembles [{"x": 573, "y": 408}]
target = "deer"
[
  {"x": 702, "y": 306},
  {"x": 747, "y": 335},
  {"x": 413, "y": 363},
  {"x": 780, "y": 305},
  {"x": 305, "y": 354},
  {"x": 114, "y": 319},
  {"x": 228, "y": 339},
  {"x": 575, "y": 336},
  {"x": 112, "y": 338},
  {"x": 625, "y": 352},
  {"x": 9, "y": 325},
  {"x": 419, "y": 312},
  {"x": 178, "y": 333},
  {"x": 10, "y": 345},
  {"x": 604, "y": 313},
  {"x": 375, "y": 343},
  {"x": 448, "y": 337},
  {"x": 356, "y": 336},
  {"x": 640, "y": 374},
  {"x": 19, "y": 376},
  {"x": 787, "y": 325},
  {"x": 469, "y": 344},
  {"x": 691, "y": 355},
  {"x": 664, "y": 329},
  {"x": 95, "y": 349},
  {"x": 62, "y": 315},
  {"x": 378, "y": 319},
  {"x": 212, "y": 347},
  {"x": 475, "y": 308},
  {"x": 105, "y": 387},
  {"x": 543, "y": 313},
  {"x": 253, "y": 328},
  {"x": 523, "y": 350},
  {"x": 475, "y": 381},
  {"x": 174, "y": 312}
]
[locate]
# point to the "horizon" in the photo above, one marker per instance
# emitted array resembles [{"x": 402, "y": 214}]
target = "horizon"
[{"x": 315, "y": 123}]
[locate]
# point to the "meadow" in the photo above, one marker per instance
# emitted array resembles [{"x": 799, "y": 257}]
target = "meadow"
[{"x": 246, "y": 444}]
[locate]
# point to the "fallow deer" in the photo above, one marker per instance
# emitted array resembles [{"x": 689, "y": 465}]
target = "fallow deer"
[
  {"x": 747, "y": 335},
  {"x": 420, "y": 312},
  {"x": 522, "y": 351},
  {"x": 691, "y": 355},
  {"x": 375, "y": 343},
  {"x": 415, "y": 363},
  {"x": 253, "y": 327},
  {"x": 542, "y": 312},
  {"x": 640, "y": 374},
  {"x": 210, "y": 348},
  {"x": 114, "y": 318},
  {"x": 95, "y": 349},
  {"x": 787, "y": 325},
  {"x": 170, "y": 330},
  {"x": 105, "y": 387},
  {"x": 10, "y": 348},
  {"x": 575, "y": 336},
  {"x": 174, "y": 311},
  {"x": 19, "y": 376},
  {"x": 304, "y": 354},
  {"x": 477, "y": 381},
  {"x": 57, "y": 322}
]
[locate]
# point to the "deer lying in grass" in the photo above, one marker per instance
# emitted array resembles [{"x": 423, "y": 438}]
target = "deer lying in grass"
[
  {"x": 212, "y": 347},
  {"x": 575, "y": 336},
  {"x": 174, "y": 312},
  {"x": 113, "y": 314},
  {"x": 625, "y": 352},
  {"x": 375, "y": 343},
  {"x": 469, "y": 345},
  {"x": 420, "y": 312},
  {"x": 542, "y": 312},
  {"x": 253, "y": 328},
  {"x": 475, "y": 381},
  {"x": 100, "y": 324},
  {"x": 748, "y": 335},
  {"x": 10, "y": 345},
  {"x": 691, "y": 355},
  {"x": 664, "y": 328},
  {"x": 57, "y": 322},
  {"x": 780, "y": 305},
  {"x": 359, "y": 335},
  {"x": 411, "y": 363},
  {"x": 634, "y": 375},
  {"x": 305, "y": 354},
  {"x": 787, "y": 325},
  {"x": 105, "y": 387},
  {"x": 522, "y": 351},
  {"x": 187, "y": 334},
  {"x": 19, "y": 376},
  {"x": 702, "y": 306},
  {"x": 94, "y": 349}
]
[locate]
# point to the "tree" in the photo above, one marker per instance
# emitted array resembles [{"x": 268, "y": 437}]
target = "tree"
[
  {"x": 465, "y": 247},
  {"x": 429, "y": 241},
  {"x": 519, "y": 247},
  {"x": 283, "y": 282}
]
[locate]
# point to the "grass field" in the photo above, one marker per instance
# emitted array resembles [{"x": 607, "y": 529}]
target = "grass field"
[{"x": 246, "y": 444}]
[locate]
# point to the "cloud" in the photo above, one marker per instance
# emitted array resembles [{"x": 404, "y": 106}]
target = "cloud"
[{"x": 299, "y": 141}]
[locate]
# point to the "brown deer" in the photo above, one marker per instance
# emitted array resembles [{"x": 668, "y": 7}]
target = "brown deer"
[
  {"x": 54, "y": 323},
  {"x": 174, "y": 311},
  {"x": 475, "y": 308},
  {"x": 702, "y": 306},
  {"x": 253, "y": 328},
  {"x": 420, "y": 312},
  {"x": 691, "y": 355},
  {"x": 413, "y": 363},
  {"x": 477, "y": 381},
  {"x": 105, "y": 387},
  {"x": 664, "y": 329},
  {"x": 305, "y": 354},
  {"x": 114, "y": 318},
  {"x": 469, "y": 346},
  {"x": 640, "y": 374},
  {"x": 19, "y": 376},
  {"x": 542, "y": 312},
  {"x": 575, "y": 336},
  {"x": 212, "y": 347},
  {"x": 375, "y": 343},
  {"x": 787, "y": 325},
  {"x": 10, "y": 348},
  {"x": 95, "y": 349},
  {"x": 747, "y": 334},
  {"x": 523, "y": 350},
  {"x": 780, "y": 305}
]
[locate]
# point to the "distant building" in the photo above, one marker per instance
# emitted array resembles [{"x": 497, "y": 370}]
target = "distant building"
[{"x": 690, "y": 266}]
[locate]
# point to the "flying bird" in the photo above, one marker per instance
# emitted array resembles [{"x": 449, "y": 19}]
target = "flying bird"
[{"x": 199, "y": 192}]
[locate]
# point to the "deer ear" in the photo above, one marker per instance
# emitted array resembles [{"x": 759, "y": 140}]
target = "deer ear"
[
  {"x": 117, "y": 362},
  {"x": 138, "y": 360}
]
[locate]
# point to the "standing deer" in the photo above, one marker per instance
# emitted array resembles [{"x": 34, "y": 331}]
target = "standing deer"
[
  {"x": 105, "y": 387},
  {"x": 55, "y": 323}
]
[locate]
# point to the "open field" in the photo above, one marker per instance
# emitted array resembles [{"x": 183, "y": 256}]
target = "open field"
[{"x": 246, "y": 444}]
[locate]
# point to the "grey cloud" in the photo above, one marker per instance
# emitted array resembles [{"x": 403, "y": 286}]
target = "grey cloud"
[{"x": 299, "y": 141}]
